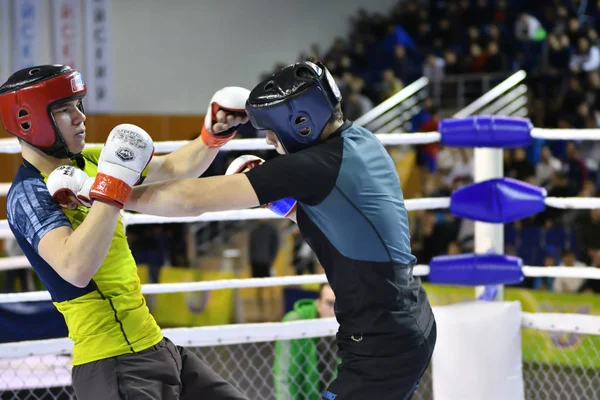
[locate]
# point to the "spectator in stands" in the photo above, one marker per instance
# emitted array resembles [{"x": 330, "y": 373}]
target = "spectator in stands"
[
  {"x": 148, "y": 246},
  {"x": 557, "y": 55},
  {"x": 530, "y": 35},
  {"x": 574, "y": 31},
  {"x": 505, "y": 44},
  {"x": 390, "y": 85},
  {"x": 586, "y": 58},
  {"x": 477, "y": 59},
  {"x": 303, "y": 368},
  {"x": 433, "y": 68},
  {"x": 423, "y": 115},
  {"x": 568, "y": 285},
  {"x": 559, "y": 186},
  {"x": 304, "y": 258},
  {"x": 427, "y": 153},
  {"x": 262, "y": 250},
  {"x": 453, "y": 249},
  {"x": 521, "y": 168},
  {"x": 592, "y": 285},
  {"x": 401, "y": 64},
  {"x": 446, "y": 157},
  {"x": 560, "y": 19},
  {"x": 358, "y": 55},
  {"x": 445, "y": 33},
  {"x": 437, "y": 235},
  {"x": 574, "y": 167},
  {"x": 547, "y": 166},
  {"x": 473, "y": 36},
  {"x": 495, "y": 61},
  {"x": 355, "y": 104},
  {"x": 545, "y": 282},
  {"x": 337, "y": 51},
  {"x": 462, "y": 169},
  {"x": 454, "y": 66},
  {"x": 528, "y": 28},
  {"x": 588, "y": 235}
]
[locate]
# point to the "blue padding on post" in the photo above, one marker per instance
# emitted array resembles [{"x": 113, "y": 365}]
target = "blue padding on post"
[
  {"x": 501, "y": 200},
  {"x": 486, "y": 131},
  {"x": 476, "y": 270}
]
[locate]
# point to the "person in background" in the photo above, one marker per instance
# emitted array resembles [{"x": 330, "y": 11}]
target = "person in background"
[{"x": 304, "y": 367}]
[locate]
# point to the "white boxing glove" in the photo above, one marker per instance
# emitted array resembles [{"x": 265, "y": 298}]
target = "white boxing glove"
[
  {"x": 70, "y": 186},
  {"x": 243, "y": 163},
  {"x": 127, "y": 151},
  {"x": 282, "y": 207},
  {"x": 232, "y": 101}
]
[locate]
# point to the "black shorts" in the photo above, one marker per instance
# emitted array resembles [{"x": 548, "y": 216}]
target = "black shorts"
[
  {"x": 164, "y": 371},
  {"x": 393, "y": 377}
]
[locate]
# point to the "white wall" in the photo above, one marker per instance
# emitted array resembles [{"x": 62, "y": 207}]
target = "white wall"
[{"x": 169, "y": 56}]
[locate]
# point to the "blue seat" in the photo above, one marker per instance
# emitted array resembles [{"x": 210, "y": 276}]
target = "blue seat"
[
  {"x": 571, "y": 242},
  {"x": 530, "y": 244},
  {"x": 557, "y": 237}
]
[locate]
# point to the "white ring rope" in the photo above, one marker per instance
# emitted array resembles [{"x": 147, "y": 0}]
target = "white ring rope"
[
  {"x": 12, "y": 146},
  {"x": 558, "y": 322},
  {"x": 562, "y": 272},
  {"x": 431, "y": 203},
  {"x": 565, "y": 134},
  {"x": 186, "y": 287},
  {"x": 208, "y": 336},
  {"x": 581, "y": 203}
]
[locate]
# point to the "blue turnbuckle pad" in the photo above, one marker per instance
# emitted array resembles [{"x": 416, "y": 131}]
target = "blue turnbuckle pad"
[
  {"x": 486, "y": 131},
  {"x": 500, "y": 200},
  {"x": 476, "y": 270}
]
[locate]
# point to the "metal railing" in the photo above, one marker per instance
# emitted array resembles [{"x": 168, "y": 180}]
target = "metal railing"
[
  {"x": 509, "y": 97},
  {"x": 395, "y": 114},
  {"x": 456, "y": 91}
]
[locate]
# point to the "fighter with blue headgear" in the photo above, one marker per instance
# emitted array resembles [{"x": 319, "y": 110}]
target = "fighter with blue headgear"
[
  {"x": 296, "y": 104},
  {"x": 340, "y": 185}
]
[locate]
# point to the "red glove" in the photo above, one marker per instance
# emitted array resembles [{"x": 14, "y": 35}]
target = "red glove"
[{"x": 230, "y": 104}]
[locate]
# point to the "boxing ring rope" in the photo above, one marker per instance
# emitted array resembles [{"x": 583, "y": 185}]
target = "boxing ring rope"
[
  {"x": 11, "y": 145},
  {"x": 186, "y": 287},
  {"x": 207, "y": 336}
]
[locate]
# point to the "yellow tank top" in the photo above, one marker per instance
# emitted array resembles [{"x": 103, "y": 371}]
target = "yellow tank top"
[{"x": 114, "y": 319}]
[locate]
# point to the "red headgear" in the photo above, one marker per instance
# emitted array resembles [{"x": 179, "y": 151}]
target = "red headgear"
[{"x": 26, "y": 99}]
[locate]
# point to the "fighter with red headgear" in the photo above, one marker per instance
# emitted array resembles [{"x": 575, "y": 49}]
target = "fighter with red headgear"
[{"x": 63, "y": 208}]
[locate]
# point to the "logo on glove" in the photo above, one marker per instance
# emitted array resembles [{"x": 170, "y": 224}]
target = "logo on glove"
[
  {"x": 125, "y": 154},
  {"x": 67, "y": 170},
  {"x": 130, "y": 137}
]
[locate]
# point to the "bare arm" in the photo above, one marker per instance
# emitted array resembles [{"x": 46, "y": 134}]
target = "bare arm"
[
  {"x": 189, "y": 161},
  {"x": 77, "y": 254},
  {"x": 192, "y": 197}
]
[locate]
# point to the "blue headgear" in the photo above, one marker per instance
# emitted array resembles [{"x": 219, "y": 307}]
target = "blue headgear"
[{"x": 296, "y": 103}]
